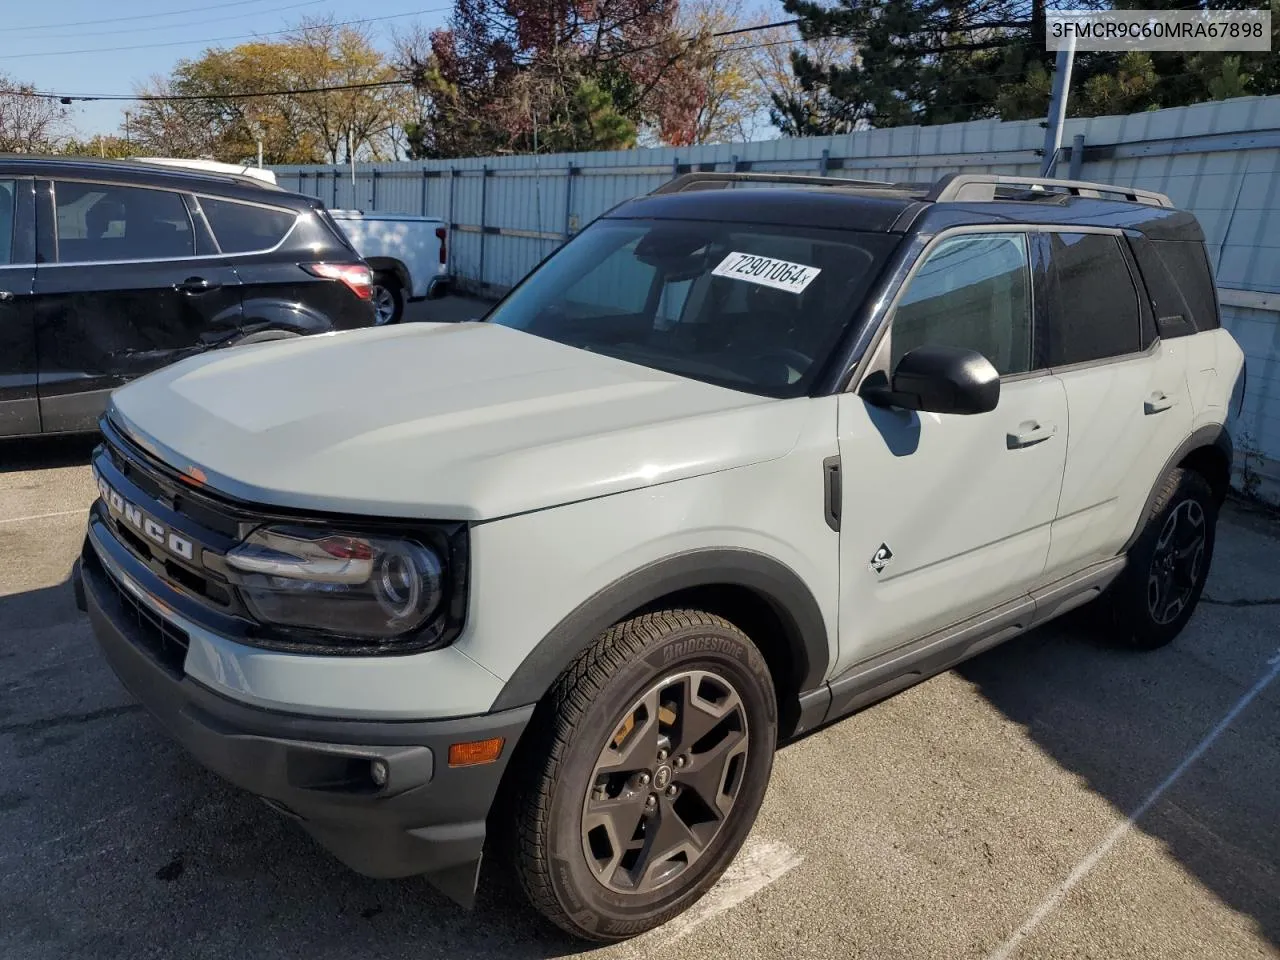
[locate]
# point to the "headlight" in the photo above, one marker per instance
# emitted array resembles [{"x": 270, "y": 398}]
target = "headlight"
[{"x": 374, "y": 588}]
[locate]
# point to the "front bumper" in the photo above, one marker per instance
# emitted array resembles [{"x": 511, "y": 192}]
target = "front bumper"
[{"x": 428, "y": 817}]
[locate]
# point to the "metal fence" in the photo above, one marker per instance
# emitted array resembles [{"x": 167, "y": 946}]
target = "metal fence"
[{"x": 1219, "y": 160}]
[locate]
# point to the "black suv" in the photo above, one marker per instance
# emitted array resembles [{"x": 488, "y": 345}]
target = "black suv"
[{"x": 111, "y": 269}]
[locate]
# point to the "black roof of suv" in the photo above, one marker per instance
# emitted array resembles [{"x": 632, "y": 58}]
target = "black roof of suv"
[
  {"x": 885, "y": 207},
  {"x": 149, "y": 174}
]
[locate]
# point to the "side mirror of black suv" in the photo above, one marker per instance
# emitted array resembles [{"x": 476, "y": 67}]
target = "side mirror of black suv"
[{"x": 938, "y": 379}]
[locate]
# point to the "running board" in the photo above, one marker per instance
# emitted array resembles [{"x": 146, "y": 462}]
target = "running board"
[{"x": 910, "y": 663}]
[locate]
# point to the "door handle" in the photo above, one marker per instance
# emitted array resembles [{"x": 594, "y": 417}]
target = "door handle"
[
  {"x": 1031, "y": 433},
  {"x": 195, "y": 285},
  {"x": 1158, "y": 402},
  {"x": 6, "y": 296}
]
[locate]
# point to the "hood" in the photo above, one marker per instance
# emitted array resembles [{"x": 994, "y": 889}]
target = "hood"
[{"x": 469, "y": 421}]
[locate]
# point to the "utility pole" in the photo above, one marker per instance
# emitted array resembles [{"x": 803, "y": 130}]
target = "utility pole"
[
  {"x": 126, "y": 127},
  {"x": 1058, "y": 106},
  {"x": 351, "y": 155}
]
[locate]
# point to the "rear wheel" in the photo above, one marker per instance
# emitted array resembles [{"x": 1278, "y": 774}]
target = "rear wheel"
[
  {"x": 1168, "y": 565},
  {"x": 388, "y": 299},
  {"x": 647, "y": 775}
]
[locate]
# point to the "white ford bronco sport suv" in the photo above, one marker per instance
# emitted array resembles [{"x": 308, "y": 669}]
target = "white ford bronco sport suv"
[{"x": 731, "y": 464}]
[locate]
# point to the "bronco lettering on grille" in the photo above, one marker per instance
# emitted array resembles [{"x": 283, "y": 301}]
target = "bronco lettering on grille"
[{"x": 150, "y": 528}]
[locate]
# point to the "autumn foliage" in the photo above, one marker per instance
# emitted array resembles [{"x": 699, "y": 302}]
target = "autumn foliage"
[{"x": 510, "y": 75}]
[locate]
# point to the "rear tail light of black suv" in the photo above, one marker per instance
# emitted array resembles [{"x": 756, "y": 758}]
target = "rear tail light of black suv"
[{"x": 357, "y": 276}]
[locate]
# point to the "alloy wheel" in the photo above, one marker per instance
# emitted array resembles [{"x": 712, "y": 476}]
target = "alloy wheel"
[
  {"x": 1177, "y": 564},
  {"x": 665, "y": 782},
  {"x": 384, "y": 305}
]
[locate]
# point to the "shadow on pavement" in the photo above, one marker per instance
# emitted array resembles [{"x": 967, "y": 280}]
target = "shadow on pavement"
[
  {"x": 115, "y": 844},
  {"x": 1123, "y": 721},
  {"x": 40, "y": 453}
]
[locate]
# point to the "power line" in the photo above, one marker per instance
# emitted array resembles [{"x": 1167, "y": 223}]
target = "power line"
[
  {"x": 689, "y": 41},
  {"x": 50, "y": 95},
  {"x": 178, "y": 97},
  {"x": 141, "y": 16},
  {"x": 755, "y": 29},
  {"x": 299, "y": 91},
  {"x": 175, "y": 26},
  {"x": 212, "y": 40}
]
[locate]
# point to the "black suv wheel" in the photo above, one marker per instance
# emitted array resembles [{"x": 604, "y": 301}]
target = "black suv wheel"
[
  {"x": 1156, "y": 595},
  {"x": 648, "y": 773}
]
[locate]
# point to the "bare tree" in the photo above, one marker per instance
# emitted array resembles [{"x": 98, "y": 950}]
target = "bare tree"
[
  {"x": 330, "y": 55},
  {"x": 773, "y": 53},
  {"x": 30, "y": 124},
  {"x": 173, "y": 128}
]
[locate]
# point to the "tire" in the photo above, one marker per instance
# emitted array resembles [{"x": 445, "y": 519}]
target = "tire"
[
  {"x": 1156, "y": 595},
  {"x": 388, "y": 300},
  {"x": 570, "y": 866}
]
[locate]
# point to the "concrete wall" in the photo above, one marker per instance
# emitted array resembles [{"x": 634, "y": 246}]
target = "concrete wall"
[{"x": 1219, "y": 160}]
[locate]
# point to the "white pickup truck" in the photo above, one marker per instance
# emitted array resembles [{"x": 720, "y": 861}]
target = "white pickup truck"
[{"x": 409, "y": 257}]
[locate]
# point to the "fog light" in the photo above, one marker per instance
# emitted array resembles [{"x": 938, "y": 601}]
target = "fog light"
[
  {"x": 379, "y": 772},
  {"x": 475, "y": 752}
]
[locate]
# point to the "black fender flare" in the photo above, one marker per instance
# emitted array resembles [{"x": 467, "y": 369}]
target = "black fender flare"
[
  {"x": 770, "y": 580},
  {"x": 266, "y": 313},
  {"x": 1211, "y": 436}
]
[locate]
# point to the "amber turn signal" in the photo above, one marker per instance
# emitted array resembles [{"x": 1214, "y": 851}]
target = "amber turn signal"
[{"x": 475, "y": 752}]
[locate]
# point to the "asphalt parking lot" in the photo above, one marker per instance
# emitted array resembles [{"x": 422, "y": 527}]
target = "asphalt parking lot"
[{"x": 983, "y": 814}]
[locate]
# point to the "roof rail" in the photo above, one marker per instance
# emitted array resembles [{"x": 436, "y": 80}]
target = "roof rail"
[
  {"x": 981, "y": 187},
  {"x": 709, "y": 180}
]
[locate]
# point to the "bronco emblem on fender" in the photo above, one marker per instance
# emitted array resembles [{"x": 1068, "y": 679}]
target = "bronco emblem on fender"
[{"x": 882, "y": 558}]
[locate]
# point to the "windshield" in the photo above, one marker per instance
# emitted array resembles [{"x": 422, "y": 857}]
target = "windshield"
[{"x": 751, "y": 307}]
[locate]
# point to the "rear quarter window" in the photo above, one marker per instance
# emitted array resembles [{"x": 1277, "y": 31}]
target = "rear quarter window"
[
  {"x": 244, "y": 227},
  {"x": 1185, "y": 284}
]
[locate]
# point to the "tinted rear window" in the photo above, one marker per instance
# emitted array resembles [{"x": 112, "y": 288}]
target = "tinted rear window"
[
  {"x": 242, "y": 227},
  {"x": 1179, "y": 280},
  {"x": 104, "y": 222},
  {"x": 752, "y": 307},
  {"x": 1097, "y": 312}
]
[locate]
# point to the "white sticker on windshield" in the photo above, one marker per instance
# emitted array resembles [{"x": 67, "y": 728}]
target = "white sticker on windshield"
[{"x": 766, "y": 271}]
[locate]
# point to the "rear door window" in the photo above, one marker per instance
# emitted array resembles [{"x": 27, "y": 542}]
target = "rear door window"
[
  {"x": 102, "y": 222},
  {"x": 1097, "y": 314},
  {"x": 245, "y": 227}
]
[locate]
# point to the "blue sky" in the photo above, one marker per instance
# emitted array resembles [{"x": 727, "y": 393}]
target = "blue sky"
[{"x": 72, "y": 46}]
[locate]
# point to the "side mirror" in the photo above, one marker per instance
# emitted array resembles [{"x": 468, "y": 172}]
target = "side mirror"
[{"x": 938, "y": 379}]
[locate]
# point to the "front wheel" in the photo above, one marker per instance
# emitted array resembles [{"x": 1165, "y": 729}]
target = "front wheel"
[
  {"x": 646, "y": 775},
  {"x": 1168, "y": 564}
]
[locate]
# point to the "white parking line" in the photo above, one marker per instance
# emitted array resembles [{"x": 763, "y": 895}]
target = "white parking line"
[
  {"x": 758, "y": 864},
  {"x": 45, "y": 516},
  {"x": 1082, "y": 869}
]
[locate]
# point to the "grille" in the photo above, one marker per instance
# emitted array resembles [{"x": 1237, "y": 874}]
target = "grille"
[
  {"x": 188, "y": 514},
  {"x": 154, "y": 481},
  {"x": 167, "y": 643}
]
